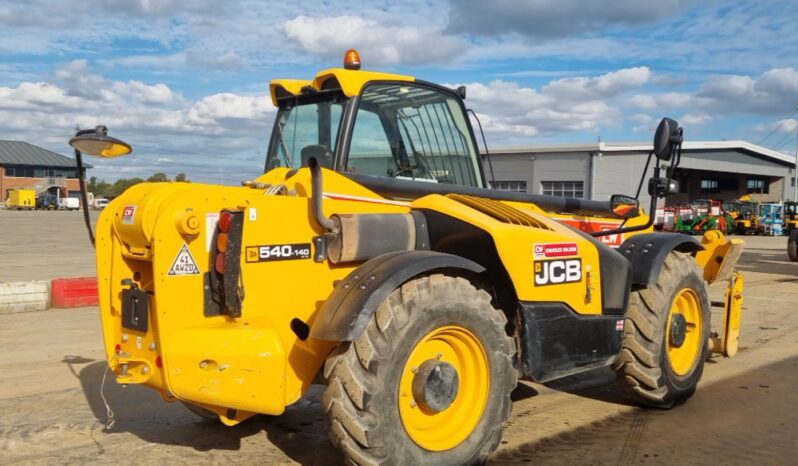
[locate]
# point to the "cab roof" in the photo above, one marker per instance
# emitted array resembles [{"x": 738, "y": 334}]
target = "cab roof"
[{"x": 351, "y": 82}]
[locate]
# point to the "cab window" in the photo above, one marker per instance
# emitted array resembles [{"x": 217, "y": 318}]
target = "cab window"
[{"x": 410, "y": 131}]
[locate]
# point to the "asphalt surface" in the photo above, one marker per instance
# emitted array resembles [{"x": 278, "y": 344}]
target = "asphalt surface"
[
  {"x": 744, "y": 412},
  {"x": 42, "y": 245}
]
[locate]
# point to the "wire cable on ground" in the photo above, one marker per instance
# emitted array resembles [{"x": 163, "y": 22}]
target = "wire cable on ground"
[{"x": 109, "y": 413}]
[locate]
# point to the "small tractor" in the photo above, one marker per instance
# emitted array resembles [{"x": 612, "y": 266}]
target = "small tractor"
[
  {"x": 790, "y": 216},
  {"x": 709, "y": 216},
  {"x": 371, "y": 257},
  {"x": 747, "y": 221},
  {"x": 685, "y": 216}
]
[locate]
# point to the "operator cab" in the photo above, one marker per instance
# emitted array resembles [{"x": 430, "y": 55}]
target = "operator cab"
[
  {"x": 392, "y": 126},
  {"x": 404, "y": 138}
]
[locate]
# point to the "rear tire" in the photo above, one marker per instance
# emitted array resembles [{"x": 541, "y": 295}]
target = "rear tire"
[
  {"x": 205, "y": 414},
  {"x": 371, "y": 416},
  {"x": 792, "y": 245},
  {"x": 658, "y": 370}
]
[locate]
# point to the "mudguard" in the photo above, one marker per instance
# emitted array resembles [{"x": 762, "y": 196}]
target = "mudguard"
[
  {"x": 346, "y": 313},
  {"x": 647, "y": 253}
]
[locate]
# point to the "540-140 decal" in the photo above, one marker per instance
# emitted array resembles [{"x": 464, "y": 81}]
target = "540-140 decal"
[{"x": 278, "y": 252}]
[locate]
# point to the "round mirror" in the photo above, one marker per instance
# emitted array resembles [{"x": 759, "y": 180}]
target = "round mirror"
[{"x": 100, "y": 146}]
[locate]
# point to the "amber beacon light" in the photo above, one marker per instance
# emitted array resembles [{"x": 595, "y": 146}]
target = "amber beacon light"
[{"x": 352, "y": 60}]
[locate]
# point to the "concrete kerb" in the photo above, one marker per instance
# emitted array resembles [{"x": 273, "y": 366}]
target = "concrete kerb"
[
  {"x": 24, "y": 296},
  {"x": 60, "y": 293}
]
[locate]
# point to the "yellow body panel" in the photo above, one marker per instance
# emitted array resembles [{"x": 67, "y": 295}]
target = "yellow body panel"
[
  {"x": 351, "y": 81},
  {"x": 719, "y": 257},
  {"x": 21, "y": 199},
  {"x": 261, "y": 345},
  {"x": 257, "y": 363},
  {"x": 516, "y": 247}
]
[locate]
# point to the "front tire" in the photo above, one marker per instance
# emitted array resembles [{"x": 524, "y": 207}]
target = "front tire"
[
  {"x": 379, "y": 414},
  {"x": 792, "y": 245},
  {"x": 666, "y": 333}
]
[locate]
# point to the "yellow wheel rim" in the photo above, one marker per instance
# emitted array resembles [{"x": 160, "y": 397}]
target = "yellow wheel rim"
[
  {"x": 682, "y": 355},
  {"x": 448, "y": 428}
]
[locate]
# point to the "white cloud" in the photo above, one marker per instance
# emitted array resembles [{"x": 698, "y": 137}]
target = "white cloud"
[
  {"x": 579, "y": 104},
  {"x": 642, "y": 102},
  {"x": 774, "y": 91},
  {"x": 162, "y": 126},
  {"x": 378, "y": 44},
  {"x": 604, "y": 86},
  {"x": 693, "y": 119}
]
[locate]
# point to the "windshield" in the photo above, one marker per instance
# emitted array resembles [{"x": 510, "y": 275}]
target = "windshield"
[
  {"x": 306, "y": 128},
  {"x": 413, "y": 132},
  {"x": 406, "y": 131}
]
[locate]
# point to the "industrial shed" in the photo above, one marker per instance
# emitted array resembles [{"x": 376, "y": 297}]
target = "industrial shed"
[
  {"x": 723, "y": 170},
  {"x": 25, "y": 166}
]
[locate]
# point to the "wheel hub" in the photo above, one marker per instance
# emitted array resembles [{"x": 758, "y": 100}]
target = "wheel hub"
[
  {"x": 435, "y": 385},
  {"x": 678, "y": 330}
]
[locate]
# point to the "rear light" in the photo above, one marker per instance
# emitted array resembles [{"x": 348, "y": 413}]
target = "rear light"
[
  {"x": 225, "y": 221},
  {"x": 224, "y": 291},
  {"x": 221, "y": 242},
  {"x": 219, "y": 266},
  {"x": 158, "y": 362},
  {"x": 118, "y": 348}
]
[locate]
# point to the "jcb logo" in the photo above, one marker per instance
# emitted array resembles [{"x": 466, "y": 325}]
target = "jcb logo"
[{"x": 558, "y": 271}]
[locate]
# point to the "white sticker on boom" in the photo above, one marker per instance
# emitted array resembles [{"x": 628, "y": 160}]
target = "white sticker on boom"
[
  {"x": 184, "y": 263},
  {"x": 210, "y": 228}
]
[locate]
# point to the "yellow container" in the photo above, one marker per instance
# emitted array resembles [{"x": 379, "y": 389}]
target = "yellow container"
[{"x": 22, "y": 199}]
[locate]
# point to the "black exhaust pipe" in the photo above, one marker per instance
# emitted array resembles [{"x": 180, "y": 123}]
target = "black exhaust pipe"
[{"x": 317, "y": 194}]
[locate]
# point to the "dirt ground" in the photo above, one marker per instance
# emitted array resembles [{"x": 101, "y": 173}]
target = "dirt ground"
[
  {"x": 51, "y": 412},
  {"x": 42, "y": 245}
]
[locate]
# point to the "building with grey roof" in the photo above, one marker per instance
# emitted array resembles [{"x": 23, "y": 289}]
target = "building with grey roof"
[
  {"x": 723, "y": 170},
  {"x": 25, "y": 166}
]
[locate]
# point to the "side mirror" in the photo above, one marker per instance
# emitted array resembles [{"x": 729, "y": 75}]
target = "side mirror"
[
  {"x": 667, "y": 136},
  {"x": 97, "y": 142},
  {"x": 624, "y": 206}
]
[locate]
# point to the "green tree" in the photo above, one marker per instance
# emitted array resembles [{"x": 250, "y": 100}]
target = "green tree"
[
  {"x": 181, "y": 177},
  {"x": 158, "y": 177},
  {"x": 99, "y": 187},
  {"x": 122, "y": 184}
]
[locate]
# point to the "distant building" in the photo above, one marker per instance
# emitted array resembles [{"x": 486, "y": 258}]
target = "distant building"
[
  {"x": 723, "y": 170},
  {"x": 26, "y": 166}
]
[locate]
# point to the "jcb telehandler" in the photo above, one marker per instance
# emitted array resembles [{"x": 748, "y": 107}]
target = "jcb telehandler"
[{"x": 371, "y": 256}]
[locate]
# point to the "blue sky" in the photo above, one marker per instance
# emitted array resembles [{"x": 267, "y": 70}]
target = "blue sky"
[{"x": 186, "y": 81}]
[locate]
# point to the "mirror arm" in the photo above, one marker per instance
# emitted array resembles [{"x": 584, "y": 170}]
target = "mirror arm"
[{"x": 83, "y": 195}]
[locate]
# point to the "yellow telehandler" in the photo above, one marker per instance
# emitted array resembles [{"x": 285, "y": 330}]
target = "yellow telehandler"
[{"x": 371, "y": 256}]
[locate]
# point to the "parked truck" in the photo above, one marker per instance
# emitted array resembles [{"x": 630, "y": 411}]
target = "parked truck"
[{"x": 68, "y": 203}]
